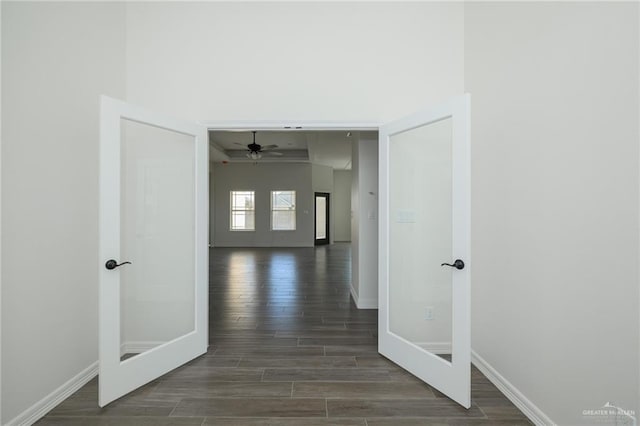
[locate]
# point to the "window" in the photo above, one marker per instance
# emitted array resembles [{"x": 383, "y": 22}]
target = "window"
[
  {"x": 283, "y": 210},
  {"x": 243, "y": 211}
]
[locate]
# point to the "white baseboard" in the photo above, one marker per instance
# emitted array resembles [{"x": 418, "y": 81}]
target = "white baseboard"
[
  {"x": 535, "y": 414},
  {"x": 354, "y": 295},
  {"x": 363, "y": 303},
  {"x": 367, "y": 304},
  {"x": 49, "y": 402}
]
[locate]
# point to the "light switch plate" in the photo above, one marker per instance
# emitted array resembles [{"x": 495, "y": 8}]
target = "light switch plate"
[{"x": 406, "y": 216}]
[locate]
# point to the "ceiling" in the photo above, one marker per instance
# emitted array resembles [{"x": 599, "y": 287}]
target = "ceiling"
[{"x": 327, "y": 148}]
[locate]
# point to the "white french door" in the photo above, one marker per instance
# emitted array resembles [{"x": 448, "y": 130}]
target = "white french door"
[
  {"x": 153, "y": 246},
  {"x": 424, "y": 246}
]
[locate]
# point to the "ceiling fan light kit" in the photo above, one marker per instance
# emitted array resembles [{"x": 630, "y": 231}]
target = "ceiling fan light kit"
[
  {"x": 254, "y": 155},
  {"x": 256, "y": 150}
]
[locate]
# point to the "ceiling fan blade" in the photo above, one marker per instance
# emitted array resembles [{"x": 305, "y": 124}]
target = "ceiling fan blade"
[
  {"x": 269, "y": 147},
  {"x": 241, "y": 144}
]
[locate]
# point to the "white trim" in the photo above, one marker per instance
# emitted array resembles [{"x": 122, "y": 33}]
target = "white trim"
[
  {"x": 49, "y": 402},
  {"x": 363, "y": 303},
  {"x": 291, "y": 125},
  {"x": 354, "y": 295},
  {"x": 535, "y": 414},
  {"x": 367, "y": 304}
]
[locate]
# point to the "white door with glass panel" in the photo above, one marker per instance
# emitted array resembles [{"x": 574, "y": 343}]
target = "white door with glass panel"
[
  {"x": 153, "y": 246},
  {"x": 424, "y": 246}
]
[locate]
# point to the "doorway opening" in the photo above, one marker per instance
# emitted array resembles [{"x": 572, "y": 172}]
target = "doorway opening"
[
  {"x": 338, "y": 160},
  {"x": 322, "y": 218}
]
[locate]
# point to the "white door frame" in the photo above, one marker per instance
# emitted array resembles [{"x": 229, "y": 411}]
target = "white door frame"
[
  {"x": 287, "y": 125},
  {"x": 291, "y": 125}
]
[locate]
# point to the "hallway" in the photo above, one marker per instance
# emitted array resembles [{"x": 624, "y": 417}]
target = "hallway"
[{"x": 287, "y": 348}]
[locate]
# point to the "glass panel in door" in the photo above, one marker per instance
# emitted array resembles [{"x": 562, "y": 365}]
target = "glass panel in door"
[
  {"x": 420, "y": 309},
  {"x": 157, "y": 236}
]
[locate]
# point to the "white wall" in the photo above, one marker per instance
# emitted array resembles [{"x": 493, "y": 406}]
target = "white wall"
[
  {"x": 56, "y": 61},
  {"x": 212, "y": 205},
  {"x": 555, "y": 200},
  {"x": 263, "y": 178},
  {"x": 364, "y": 227},
  {"x": 355, "y": 219},
  {"x": 342, "y": 205},
  {"x": 293, "y": 61},
  {"x": 321, "y": 178}
]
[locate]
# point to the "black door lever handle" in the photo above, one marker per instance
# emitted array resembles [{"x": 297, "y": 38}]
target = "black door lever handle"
[
  {"x": 458, "y": 264},
  {"x": 112, "y": 264}
]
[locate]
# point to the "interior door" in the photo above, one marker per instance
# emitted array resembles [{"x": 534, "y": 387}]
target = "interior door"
[
  {"x": 424, "y": 280},
  {"x": 321, "y": 229},
  {"x": 153, "y": 246}
]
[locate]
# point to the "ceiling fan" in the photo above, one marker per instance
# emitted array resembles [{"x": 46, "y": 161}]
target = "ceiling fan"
[{"x": 255, "y": 150}]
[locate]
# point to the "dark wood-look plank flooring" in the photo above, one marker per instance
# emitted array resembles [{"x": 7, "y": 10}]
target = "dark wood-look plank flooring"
[{"x": 288, "y": 348}]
